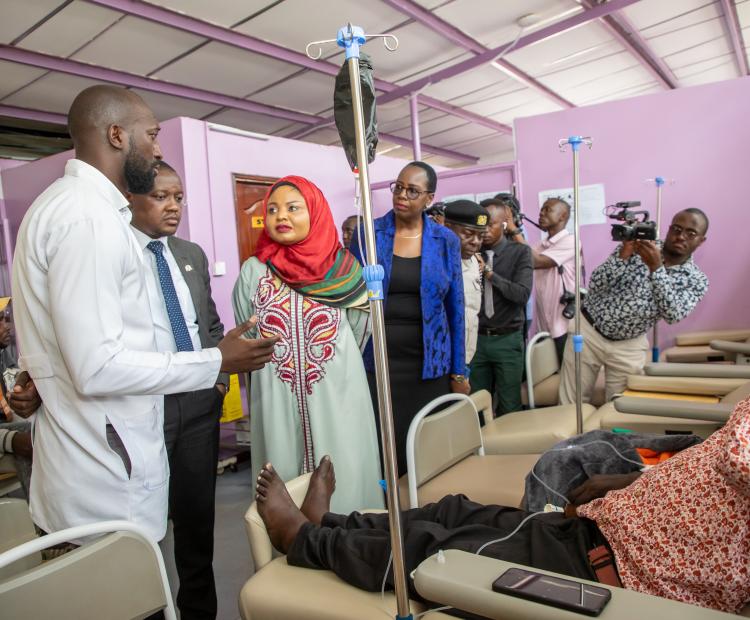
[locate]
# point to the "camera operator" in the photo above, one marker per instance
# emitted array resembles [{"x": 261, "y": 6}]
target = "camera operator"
[
  {"x": 640, "y": 283},
  {"x": 498, "y": 362},
  {"x": 554, "y": 270}
]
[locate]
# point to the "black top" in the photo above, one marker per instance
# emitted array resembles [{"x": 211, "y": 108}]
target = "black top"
[
  {"x": 512, "y": 277},
  {"x": 404, "y": 303}
]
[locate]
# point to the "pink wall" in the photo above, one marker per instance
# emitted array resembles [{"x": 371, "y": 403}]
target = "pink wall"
[{"x": 697, "y": 136}]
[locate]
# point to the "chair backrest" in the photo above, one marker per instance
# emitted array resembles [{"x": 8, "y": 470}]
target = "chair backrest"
[
  {"x": 16, "y": 528},
  {"x": 260, "y": 545},
  {"x": 436, "y": 441},
  {"x": 117, "y": 576},
  {"x": 483, "y": 402},
  {"x": 738, "y": 394},
  {"x": 541, "y": 362}
]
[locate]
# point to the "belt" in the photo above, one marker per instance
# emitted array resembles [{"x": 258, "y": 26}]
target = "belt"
[
  {"x": 603, "y": 562},
  {"x": 498, "y": 331},
  {"x": 587, "y": 316}
]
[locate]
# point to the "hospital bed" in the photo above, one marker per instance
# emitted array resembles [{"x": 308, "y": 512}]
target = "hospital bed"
[
  {"x": 698, "y": 347},
  {"x": 278, "y": 591},
  {"x": 119, "y": 575}
]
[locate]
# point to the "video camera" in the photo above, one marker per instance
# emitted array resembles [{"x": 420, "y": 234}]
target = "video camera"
[{"x": 633, "y": 228}]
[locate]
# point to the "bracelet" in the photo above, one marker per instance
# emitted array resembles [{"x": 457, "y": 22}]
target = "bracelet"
[{"x": 458, "y": 378}]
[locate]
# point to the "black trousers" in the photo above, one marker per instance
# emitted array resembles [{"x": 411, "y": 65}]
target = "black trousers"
[
  {"x": 560, "y": 347},
  {"x": 191, "y": 433},
  {"x": 357, "y": 547}
]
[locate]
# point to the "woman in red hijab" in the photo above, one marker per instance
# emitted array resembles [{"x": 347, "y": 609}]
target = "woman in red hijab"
[{"x": 312, "y": 399}]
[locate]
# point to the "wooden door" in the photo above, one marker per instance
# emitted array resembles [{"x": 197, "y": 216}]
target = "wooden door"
[{"x": 248, "y": 194}]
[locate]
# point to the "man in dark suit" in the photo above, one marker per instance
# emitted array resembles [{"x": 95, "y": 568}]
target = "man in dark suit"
[{"x": 185, "y": 318}]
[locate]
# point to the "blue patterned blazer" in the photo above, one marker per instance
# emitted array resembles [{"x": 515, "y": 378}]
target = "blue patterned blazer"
[{"x": 442, "y": 292}]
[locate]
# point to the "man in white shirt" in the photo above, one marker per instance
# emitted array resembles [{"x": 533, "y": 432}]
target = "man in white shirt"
[
  {"x": 554, "y": 269},
  {"x": 469, "y": 221},
  {"x": 86, "y": 333}
]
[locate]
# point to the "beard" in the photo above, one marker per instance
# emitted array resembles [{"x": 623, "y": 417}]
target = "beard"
[{"x": 139, "y": 172}]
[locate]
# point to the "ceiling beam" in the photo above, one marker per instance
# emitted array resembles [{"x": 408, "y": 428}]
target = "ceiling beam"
[
  {"x": 490, "y": 55},
  {"x": 461, "y": 39},
  {"x": 33, "y": 115},
  {"x": 734, "y": 31},
  {"x": 622, "y": 29},
  {"x": 212, "y": 32},
  {"x": 93, "y": 72}
]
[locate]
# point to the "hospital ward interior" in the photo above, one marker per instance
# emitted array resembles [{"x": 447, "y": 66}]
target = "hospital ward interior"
[{"x": 334, "y": 309}]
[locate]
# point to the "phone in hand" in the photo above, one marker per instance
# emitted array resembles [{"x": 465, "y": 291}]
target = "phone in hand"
[{"x": 554, "y": 591}]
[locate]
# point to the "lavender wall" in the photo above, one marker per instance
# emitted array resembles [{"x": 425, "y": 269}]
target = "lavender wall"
[{"x": 697, "y": 136}]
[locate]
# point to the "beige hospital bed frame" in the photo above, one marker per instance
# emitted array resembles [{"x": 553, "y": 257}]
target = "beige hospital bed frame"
[
  {"x": 118, "y": 576},
  {"x": 708, "y": 346}
]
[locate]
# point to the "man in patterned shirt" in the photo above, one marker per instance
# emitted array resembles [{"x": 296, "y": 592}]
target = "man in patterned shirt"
[
  {"x": 681, "y": 530},
  {"x": 639, "y": 284}
]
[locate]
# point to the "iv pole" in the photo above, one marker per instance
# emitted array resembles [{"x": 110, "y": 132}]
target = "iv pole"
[
  {"x": 655, "y": 336},
  {"x": 575, "y": 145},
  {"x": 351, "y": 38}
]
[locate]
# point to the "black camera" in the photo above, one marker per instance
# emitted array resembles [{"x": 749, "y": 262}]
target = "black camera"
[
  {"x": 568, "y": 301},
  {"x": 632, "y": 227}
]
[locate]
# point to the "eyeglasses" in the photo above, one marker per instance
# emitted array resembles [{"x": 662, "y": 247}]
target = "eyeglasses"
[
  {"x": 411, "y": 192},
  {"x": 679, "y": 230}
]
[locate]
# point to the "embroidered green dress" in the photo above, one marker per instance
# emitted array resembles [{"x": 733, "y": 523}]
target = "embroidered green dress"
[{"x": 312, "y": 399}]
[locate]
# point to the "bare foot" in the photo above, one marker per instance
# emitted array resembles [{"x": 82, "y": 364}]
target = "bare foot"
[
  {"x": 322, "y": 485},
  {"x": 279, "y": 513}
]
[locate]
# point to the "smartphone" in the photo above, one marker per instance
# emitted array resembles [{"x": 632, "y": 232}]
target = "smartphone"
[{"x": 554, "y": 591}]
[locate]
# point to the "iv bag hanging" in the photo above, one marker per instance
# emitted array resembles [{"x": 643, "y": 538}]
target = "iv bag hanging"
[{"x": 342, "y": 110}]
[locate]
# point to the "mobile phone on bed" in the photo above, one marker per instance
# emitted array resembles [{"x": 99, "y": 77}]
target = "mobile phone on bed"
[{"x": 554, "y": 591}]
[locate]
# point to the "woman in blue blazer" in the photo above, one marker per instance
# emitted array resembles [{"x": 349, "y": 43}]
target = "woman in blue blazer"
[{"x": 424, "y": 302}]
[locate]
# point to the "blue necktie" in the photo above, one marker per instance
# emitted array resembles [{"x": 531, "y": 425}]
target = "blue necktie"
[{"x": 176, "y": 318}]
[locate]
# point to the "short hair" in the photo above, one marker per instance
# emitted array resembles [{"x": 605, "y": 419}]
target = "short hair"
[
  {"x": 508, "y": 199},
  {"x": 163, "y": 166},
  {"x": 699, "y": 213},
  {"x": 431, "y": 174},
  {"x": 488, "y": 203},
  {"x": 562, "y": 201},
  {"x": 350, "y": 217},
  {"x": 97, "y": 107}
]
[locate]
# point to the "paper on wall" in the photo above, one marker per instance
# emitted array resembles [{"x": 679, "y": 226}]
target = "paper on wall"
[{"x": 591, "y": 199}]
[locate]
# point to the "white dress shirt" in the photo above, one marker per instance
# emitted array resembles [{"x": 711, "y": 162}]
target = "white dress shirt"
[
  {"x": 86, "y": 336},
  {"x": 473, "y": 301},
  {"x": 164, "y": 334}
]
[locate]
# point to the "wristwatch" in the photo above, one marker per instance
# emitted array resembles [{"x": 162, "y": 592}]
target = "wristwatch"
[{"x": 458, "y": 378}]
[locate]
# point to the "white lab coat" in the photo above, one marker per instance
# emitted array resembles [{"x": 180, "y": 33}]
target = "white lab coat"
[{"x": 86, "y": 337}]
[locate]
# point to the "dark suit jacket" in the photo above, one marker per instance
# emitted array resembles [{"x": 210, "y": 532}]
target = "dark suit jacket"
[{"x": 210, "y": 328}]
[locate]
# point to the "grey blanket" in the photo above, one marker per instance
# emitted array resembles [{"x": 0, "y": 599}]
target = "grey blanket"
[{"x": 571, "y": 462}]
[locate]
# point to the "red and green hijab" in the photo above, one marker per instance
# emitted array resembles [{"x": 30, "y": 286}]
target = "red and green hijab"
[{"x": 318, "y": 266}]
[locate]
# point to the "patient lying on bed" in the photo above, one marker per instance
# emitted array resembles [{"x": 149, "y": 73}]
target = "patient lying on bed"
[{"x": 680, "y": 530}]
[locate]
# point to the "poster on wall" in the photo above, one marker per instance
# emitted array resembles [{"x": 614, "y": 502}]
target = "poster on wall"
[{"x": 592, "y": 203}]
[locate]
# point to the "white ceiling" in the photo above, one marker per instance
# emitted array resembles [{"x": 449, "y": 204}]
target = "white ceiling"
[{"x": 585, "y": 65}]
